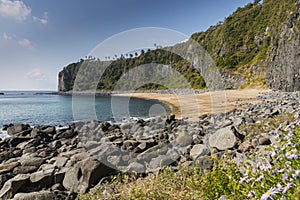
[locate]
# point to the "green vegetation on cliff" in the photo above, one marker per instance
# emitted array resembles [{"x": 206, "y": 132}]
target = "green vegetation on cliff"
[
  {"x": 245, "y": 37},
  {"x": 241, "y": 45}
]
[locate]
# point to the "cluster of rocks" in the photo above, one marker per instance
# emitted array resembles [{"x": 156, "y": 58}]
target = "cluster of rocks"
[{"x": 45, "y": 162}]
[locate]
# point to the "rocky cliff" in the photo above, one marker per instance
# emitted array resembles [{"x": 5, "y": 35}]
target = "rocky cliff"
[
  {"x": 283, "y": 72},
  {"x": 256, "y": 45},
  {"x": 67, "y": 76}
]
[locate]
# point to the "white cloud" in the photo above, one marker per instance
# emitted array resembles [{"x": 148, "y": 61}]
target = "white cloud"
[
  {"x": 43, "y": 20},
  {"x": 14, "y": 9},
  {"x": 7, "y": 37},
  {"x": 26, "y": 43},
  {"x": 36, "y": 74}
]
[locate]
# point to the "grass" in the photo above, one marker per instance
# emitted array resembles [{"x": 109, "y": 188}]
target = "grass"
[{"x": 273, "y": 176}]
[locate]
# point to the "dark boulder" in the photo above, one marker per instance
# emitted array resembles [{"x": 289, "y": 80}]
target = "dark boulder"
[
  {"x": 85, "y": 174},
  {"x": 17, "y": 129}
]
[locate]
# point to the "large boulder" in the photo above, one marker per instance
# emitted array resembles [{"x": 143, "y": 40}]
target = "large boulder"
[
  {"x": 43, "y": 178},
  {"x": 184, "y": 139},
  {"x": 17, "y": 129},
  {"x": 8, "y": 167},
  {"x": 225, "y": 138},
  {"x": 31, "y": 161},
  {"x": 24, "y": 169},
  {"x": 15, "y": 140},
  {"x": 12, "y": 186},
  {"x": 84, "y": 175}
]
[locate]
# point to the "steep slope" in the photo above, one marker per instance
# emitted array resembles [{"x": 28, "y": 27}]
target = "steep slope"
[
  {"x": 283, "y": 72},
  {"x": 257, "y": 45},
  {"x": 246, "y": 41}
]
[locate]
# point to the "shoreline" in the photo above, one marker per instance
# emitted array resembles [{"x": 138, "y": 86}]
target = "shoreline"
[
  {"x": 206, "y": 102},
  {"x": 185, "y": 104}
]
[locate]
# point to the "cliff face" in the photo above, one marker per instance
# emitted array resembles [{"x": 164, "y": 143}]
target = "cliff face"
[
  {"x": 67, "y": 76},
  {"x": 256, "y": 45},
  {"x": 283, "y": 71}
]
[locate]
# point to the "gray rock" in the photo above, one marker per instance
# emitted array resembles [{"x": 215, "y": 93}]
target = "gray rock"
[
  {"x": 146, "y": 156},
  {"x": 43, "y": 179},
  {"x": 27, "y": 144},
  {"x": 55, "y": 144},
  {"x": 129, "y": 144},
  {"x": 24, "y": 169},
  {"x": 136, "y": 167},
  {"x": 12, "y": 186},
  {"x": 283, "y": 69},
  {"x": 65, "y": 134},
  {"x": 8, "y": 167},
  {"x": 114, "y": 160},
  {"x": 17, "y": 129},
  {"x": 15, "y": 141},
  {"x": 59, "y": 161},
  {"x": 238, "y": 121},
  {"x": 143, "y": 146},
  {"x": 91, "y": 144},
  {"x": 84, "y": 175},
  {"x": 32, "y": 161},
  {"x": 184, "y": 139},
  {"x": 80, "y": 156},
  {"x": 160, "y": 162},
  {"x": 41, "y": 195},
  {"x": 225, "y": 138},
  {"x": 199, "y": 150}
]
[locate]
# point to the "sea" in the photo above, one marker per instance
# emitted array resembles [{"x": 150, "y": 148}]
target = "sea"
[{"x": 50, "y": 108}]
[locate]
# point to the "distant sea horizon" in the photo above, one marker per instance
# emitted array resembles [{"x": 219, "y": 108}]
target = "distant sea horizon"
[{"x": 37, "y": 107}]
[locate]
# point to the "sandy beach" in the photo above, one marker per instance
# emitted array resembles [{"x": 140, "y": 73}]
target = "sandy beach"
[{"x": 194, "y": 105}]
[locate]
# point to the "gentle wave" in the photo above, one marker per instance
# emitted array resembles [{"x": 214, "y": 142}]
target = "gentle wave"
[{"x": 57, "y": 110}]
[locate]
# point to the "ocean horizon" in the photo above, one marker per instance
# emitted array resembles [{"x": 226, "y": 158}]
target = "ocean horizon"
[{"x": 36, "y": 107}]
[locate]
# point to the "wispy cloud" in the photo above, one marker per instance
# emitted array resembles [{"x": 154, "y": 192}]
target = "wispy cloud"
[
  {"x": 36, "y": 74},
  {"x": 23, "y": 42},
  {"x": 7, "y": 37},
  {"x": 26, "y": 43},
  {"x": 14, "y": 9},
  {"x": 43, "y": 20}
]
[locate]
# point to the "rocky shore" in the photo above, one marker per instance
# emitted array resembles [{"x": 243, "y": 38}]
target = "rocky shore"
[{"x": 45, "y": 162}]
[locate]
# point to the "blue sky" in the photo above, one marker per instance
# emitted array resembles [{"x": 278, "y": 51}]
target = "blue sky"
[{"x": 38, "y": 38}]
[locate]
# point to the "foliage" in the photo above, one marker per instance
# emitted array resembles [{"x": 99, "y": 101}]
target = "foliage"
[{"x": 246, "y": 33}]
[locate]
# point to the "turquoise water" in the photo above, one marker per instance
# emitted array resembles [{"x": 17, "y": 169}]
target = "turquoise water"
[{"x": 31, "y": 107}]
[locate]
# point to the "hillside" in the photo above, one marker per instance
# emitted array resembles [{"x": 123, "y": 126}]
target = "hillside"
[{"x": 257, "y": 45}]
